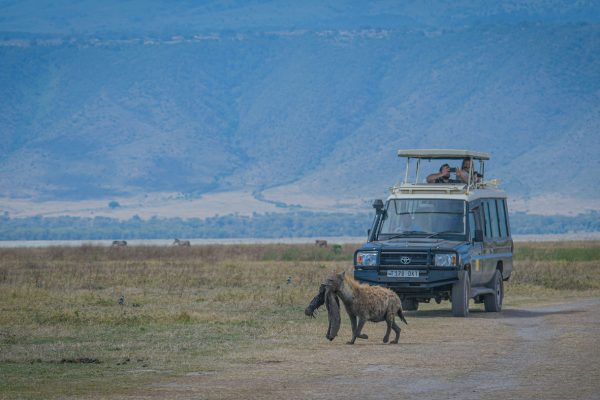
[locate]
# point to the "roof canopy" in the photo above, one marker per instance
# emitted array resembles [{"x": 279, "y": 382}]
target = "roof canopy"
[{"x": 443, "y": 153}]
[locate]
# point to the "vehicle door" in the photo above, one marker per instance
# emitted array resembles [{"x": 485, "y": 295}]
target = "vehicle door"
[
  {"x": 491, "y": 240},
  {"x": 504, "y": 247},
  {"x": 476, "y": 222}
]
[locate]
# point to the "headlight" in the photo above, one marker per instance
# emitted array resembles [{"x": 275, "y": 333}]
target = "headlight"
[
  {"x": 445, "y": 260},
  {"x": 366, "y": 259}
]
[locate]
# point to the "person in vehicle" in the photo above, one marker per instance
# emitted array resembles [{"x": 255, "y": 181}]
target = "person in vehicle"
[
  {"x": 463, "y": 172},
  {"x": 443, "y": 176}
]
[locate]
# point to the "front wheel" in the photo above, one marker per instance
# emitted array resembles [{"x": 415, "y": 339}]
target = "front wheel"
[
  {"x": 461, "y": 293},
  {"x": 493, "y": 301},
  {"x": 410, "y": 305}
]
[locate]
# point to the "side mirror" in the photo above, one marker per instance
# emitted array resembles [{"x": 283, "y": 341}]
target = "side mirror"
[
  {"x": 378, "y": 206},
  {"x": 478, "y": 235}
]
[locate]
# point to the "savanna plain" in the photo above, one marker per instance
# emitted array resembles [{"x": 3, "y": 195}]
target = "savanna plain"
[{"x": 227, "y": 321}]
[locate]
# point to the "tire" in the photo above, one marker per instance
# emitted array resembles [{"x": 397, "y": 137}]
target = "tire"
[
  {"x": 493, "y": 302},
  {"x": 461, "y": 294},
  {"x": 410, "y": 305}
]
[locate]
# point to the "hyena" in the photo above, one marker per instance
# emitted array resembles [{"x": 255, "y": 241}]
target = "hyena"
[{"x": 367, "y": 303}]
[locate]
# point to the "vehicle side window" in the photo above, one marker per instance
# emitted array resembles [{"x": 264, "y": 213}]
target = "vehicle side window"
[
  {"x": 472, "y": 226},
  {"x": 494, "y": 218},
  {"x": 486, "y": 217},
  {"x": 502, "y": 218},
  {"x": 507, "y": 218}
]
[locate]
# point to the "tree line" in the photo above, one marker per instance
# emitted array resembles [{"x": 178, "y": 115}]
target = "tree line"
[{"x": 270, "y": 225}]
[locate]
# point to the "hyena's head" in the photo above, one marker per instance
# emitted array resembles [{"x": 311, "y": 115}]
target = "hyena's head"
[
  {"x": 332, "y": 283},
  {"x": 336, "y": 281}
]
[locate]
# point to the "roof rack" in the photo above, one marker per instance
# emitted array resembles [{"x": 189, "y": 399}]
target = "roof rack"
[
  {"x": 443, "y": 153},
  {"x": 429, "y": 188}
]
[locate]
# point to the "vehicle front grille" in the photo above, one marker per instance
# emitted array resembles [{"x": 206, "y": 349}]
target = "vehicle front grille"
[{"x": 394, "y": 258}]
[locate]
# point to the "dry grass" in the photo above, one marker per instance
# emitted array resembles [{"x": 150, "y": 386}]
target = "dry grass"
[{"x": 197, "y": 309}]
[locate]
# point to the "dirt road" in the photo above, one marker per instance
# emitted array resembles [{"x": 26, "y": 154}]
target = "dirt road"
[{"x": 541, "y": 352}]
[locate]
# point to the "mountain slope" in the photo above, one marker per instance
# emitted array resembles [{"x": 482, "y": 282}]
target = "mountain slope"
[{"x": 98, "y": 102}]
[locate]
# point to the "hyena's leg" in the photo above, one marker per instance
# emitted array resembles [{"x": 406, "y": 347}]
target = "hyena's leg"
[
  {"x": 353, "y": 323},
  {"x": 396, "y": 329},
  {"x": 354, "y": 328},
  {"x": 361, "y": 324},
  {"x": 389, "y": 327}
]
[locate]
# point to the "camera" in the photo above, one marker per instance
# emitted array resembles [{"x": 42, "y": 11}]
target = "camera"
[{"x": 452, "y": 170}]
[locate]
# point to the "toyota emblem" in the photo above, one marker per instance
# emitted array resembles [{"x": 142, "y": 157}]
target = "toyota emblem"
[{"x": 405, "y": 260}]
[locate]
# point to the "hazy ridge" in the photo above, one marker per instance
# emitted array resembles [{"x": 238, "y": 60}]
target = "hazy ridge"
[{"x": 127, "y": 99}]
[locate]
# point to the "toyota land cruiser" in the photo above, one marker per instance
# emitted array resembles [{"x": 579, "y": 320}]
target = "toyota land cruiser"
[{"x": 440, "y": 241}]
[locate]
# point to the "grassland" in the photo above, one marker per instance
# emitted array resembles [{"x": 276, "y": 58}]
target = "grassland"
[{"x": 198, "y": 310}]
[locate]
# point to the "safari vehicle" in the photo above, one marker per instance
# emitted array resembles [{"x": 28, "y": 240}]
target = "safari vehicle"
[{"x": 441, "y": 241}]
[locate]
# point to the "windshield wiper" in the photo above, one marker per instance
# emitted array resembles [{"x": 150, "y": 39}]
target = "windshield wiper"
[
  {"x": 406, "y": 233},
  {"x": 441, "y": 233}
]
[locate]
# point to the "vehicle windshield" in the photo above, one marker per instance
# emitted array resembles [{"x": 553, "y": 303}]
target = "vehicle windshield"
[{"x": 406, "y": 217}]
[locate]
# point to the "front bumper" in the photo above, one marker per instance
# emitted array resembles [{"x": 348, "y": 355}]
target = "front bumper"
[
  {"x": 432, "y": 279},
  {"x": 429, "y": 281}
]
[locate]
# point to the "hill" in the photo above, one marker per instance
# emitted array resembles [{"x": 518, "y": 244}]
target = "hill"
[{"x": 293, "y": 103}]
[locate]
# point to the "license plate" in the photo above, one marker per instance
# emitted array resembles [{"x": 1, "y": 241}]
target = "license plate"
[{"x": 403, "y": 273}]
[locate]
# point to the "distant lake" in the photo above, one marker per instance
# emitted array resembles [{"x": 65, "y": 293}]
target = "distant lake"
[{"x": 305, "y": 240}]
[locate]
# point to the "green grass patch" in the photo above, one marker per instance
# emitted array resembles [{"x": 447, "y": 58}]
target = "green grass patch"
[{"x": 204, "y": 308}]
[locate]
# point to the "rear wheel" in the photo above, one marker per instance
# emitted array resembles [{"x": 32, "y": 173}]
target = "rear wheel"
[
  {"x": 493, "y": 301},
  {"x": 410, "y": 305},
  {"x": 461, "y": 292}
]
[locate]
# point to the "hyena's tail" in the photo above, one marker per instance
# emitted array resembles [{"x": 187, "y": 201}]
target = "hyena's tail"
[{"x": 401, "y": 315}]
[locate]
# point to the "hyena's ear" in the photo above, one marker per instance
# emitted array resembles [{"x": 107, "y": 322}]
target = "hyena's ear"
[{"x": 343, "y": 275}]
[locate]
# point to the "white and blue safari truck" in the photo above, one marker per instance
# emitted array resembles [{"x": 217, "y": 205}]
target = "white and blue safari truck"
[{"x": 441, "y": 236}]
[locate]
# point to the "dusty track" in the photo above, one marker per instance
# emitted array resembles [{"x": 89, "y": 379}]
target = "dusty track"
[{"x": 545, "y": 352}]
